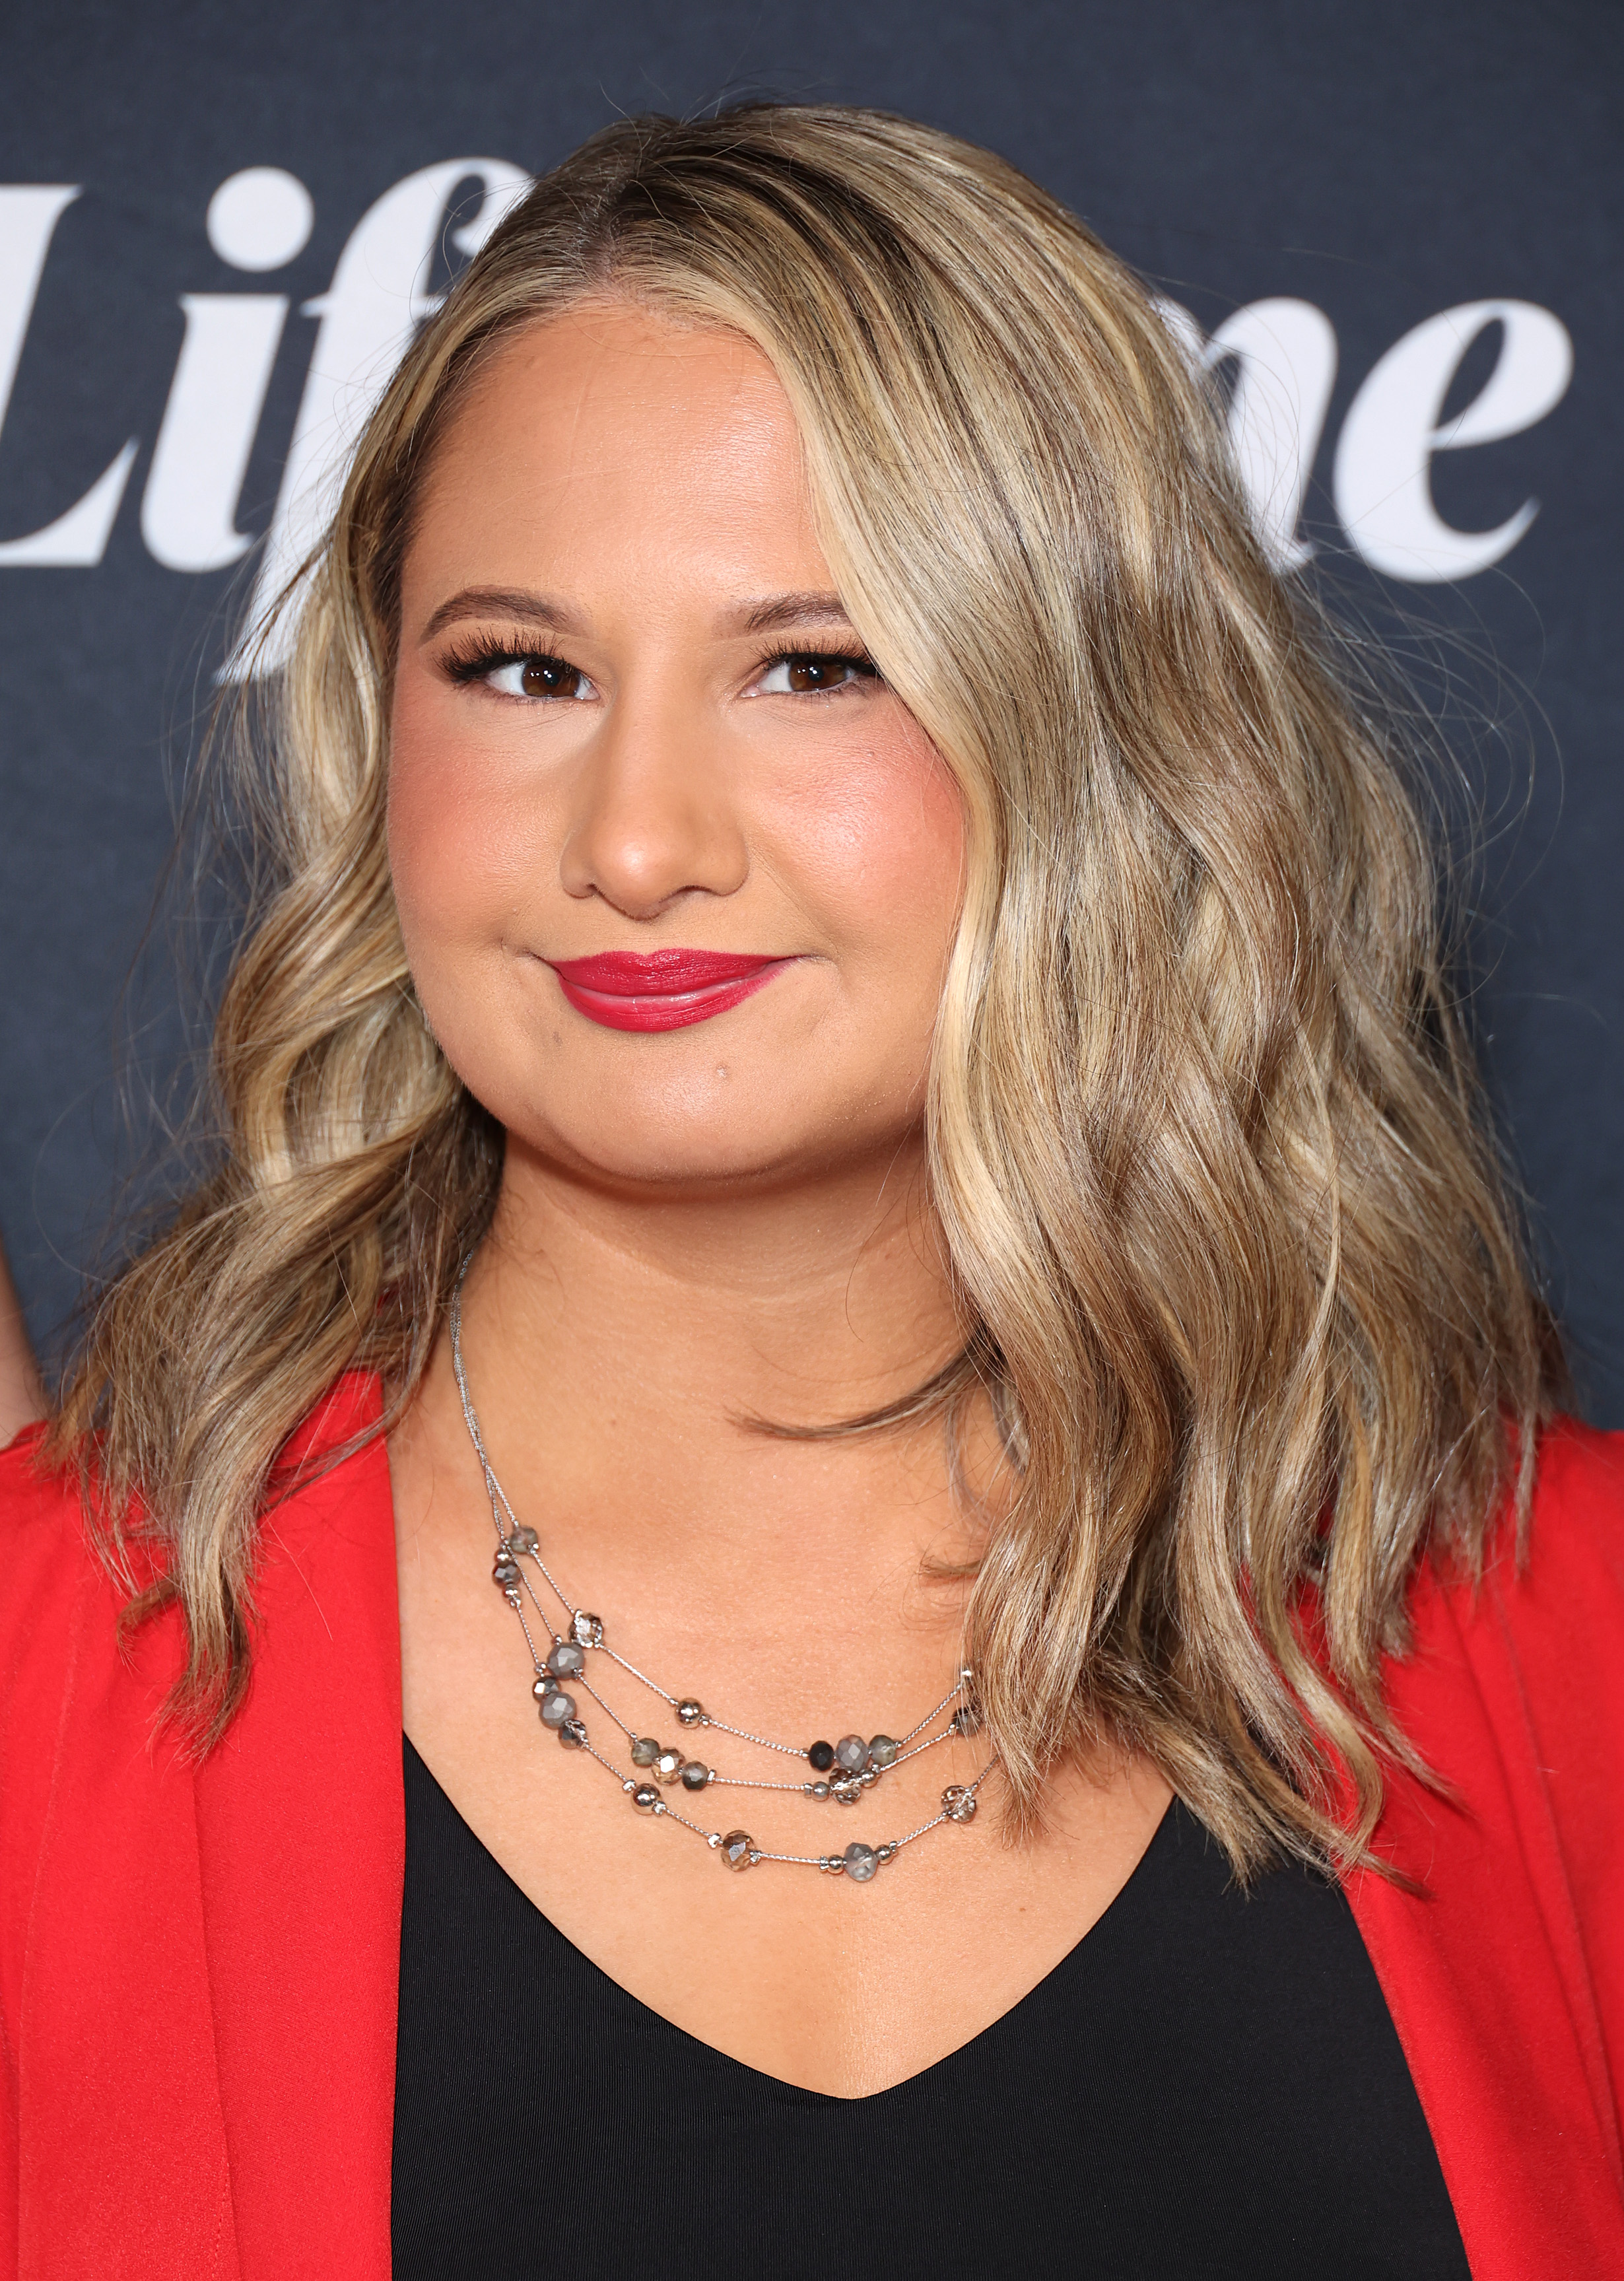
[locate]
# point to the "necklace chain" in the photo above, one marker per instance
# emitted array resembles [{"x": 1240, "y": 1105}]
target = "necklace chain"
[{"x": 843, "y": 1771}]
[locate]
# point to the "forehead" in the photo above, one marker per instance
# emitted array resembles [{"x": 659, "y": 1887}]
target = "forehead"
[{"x": 612, "y": 419}]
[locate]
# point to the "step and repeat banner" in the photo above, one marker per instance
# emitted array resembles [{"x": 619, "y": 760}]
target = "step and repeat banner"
[{"x": 1392, "y": 231}]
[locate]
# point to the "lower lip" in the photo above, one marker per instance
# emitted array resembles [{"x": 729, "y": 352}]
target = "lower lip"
[{"x": 674, "y": 1009}]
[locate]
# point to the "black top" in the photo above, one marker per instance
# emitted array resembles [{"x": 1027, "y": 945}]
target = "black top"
[{"x": 1209, "y": 2085}]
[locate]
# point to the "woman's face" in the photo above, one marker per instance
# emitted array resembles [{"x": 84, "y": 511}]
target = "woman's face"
[{"x": 678, "y": 875}]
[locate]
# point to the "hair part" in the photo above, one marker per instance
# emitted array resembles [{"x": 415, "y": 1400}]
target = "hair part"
[{"x": 1237, "y": 1258}]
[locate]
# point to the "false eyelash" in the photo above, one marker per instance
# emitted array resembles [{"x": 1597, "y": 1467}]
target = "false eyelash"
[
  {"x": 472, "y": 655},
  {"x": 860, "y": 658}
]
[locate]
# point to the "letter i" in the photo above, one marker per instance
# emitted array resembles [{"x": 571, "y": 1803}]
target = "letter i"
[{"x": 258, "y": 220}]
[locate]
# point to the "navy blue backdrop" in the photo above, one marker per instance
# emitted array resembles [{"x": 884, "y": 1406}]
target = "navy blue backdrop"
[{"x": 1394, "y": 228}]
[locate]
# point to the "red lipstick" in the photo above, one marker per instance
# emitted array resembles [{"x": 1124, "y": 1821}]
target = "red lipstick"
[{"x": 661, "y": 989}]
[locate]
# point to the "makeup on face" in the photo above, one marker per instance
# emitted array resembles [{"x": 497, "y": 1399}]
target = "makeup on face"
[{"x": 662, "y": 989}]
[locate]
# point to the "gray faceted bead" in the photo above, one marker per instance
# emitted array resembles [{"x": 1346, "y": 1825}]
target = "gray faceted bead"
[
  {"x": 861, "y": 1862},
  {"x": 524, "y": 1540},
  {"x": 645, "y": 1751},
  {"x": 695, "y": 1776},
  {"x": 568, "y": 1659},
  {"x": 556, "y": 1708},
  {"x": 883, "y": 1750},
  {"x": 852, "y": 1753}
]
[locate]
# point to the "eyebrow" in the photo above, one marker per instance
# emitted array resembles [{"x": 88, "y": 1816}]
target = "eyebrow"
[
  {"x": 774, "y": 614},
  {"x": 516, "y": 604},
  {"x": 778, "y": 611}
]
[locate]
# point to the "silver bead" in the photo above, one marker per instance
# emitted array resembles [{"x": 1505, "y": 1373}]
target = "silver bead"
[
  {"x": 661, "y": 1806},
  {"x": 567, "y": 1660},
  {"x": 834, "y": 1864},
  {"x": 869, "y": 1777},
  {"x": 669, "y": 1765},
  {"x": 645, "y": 1797},
  {"x": 572, "y": 1734},
  {"x": 883, "y": 1853},
  {"x": 544, "y": 1685},
  {"x": 513, "y": 1597},
  {"x": 557, "y": 1707},
  {"x": 852, "y": 1753},
  {"x": 883, "y": 1750},
  {"x": 861, "y": 1862},
  {"x": 818, "y": 1789},
  {"x": 645, "y": 1751},
  {"x": 588, "y": 1629},
  {"x": 629, "y": 1787},
  {"x": 524, "y": 1540},
  {"x": 739, "y": 1850},
  {"x": 958, "y": 1802},
  {"x": 696, "y": 1775},
  {"x": 690, "y": 1714},
  {"x": 846, "y": 1789}
]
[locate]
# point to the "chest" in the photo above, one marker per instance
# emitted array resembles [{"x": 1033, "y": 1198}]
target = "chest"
[
  {"x": 1205, "y": 2082},
  {"x": 839, "y": 1984}
]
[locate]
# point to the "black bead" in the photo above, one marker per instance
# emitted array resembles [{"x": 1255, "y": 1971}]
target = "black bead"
[{"x": 821, "y": 1757}]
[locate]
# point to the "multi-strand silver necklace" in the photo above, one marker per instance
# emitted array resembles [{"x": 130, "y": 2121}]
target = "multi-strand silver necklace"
[{"x": 842, "y": 1773}]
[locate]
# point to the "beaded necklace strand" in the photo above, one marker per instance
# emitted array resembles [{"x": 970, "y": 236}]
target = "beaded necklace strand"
[{"x": 844, "y": 1771}]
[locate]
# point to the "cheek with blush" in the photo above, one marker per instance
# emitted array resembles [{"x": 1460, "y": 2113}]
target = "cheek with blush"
[{"x": 463, "y": 840}]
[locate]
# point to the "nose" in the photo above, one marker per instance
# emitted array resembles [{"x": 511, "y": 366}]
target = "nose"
[{"x": 653, "y": 818}]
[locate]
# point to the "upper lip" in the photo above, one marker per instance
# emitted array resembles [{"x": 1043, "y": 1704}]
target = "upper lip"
[{"x": 659, "y": 973}]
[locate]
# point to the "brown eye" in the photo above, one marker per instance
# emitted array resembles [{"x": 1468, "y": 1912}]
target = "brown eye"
[
  {"x": 818, "y": 672},
  {"x": 806, "y": 672},
  {"x": 548, "y": 676}
]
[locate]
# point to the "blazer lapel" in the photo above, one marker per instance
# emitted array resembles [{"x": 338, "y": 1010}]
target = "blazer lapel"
[
  {"x": 301, "y": 1846},
  {"x": 1485, "y": 1975},
  {"x": 122, "y": 2150}
]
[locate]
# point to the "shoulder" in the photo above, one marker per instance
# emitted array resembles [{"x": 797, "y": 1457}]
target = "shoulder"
[
  {"x": 60, "y": 1606},
  {"x": 1578, "y": 1520},
  {"x": 1557, "y": 1604},
  {"x": 1541, "y": 1630},
  {"x": 45, "y": 1556},
  {"x": 59, "y": 1638},
  {"x": 1513, "y": 1685}
]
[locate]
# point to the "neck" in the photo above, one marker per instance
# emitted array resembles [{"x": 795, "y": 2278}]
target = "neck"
[
  {"x": 619, "y": 1350},
  {"x": 805, "y": 1302},
  {"x": 622, "y": 1344}
]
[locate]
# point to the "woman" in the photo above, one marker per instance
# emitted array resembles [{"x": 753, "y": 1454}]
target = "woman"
[{"x": 853, "y": 1265}]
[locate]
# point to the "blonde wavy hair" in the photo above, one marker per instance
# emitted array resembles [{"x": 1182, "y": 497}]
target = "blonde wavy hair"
[{"x": 1237, "y": 1258}]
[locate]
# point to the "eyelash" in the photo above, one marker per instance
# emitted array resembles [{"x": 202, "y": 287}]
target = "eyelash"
[{"x": 471, "y": 659}]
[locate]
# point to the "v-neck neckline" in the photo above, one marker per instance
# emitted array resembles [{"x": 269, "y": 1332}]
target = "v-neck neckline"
[{"x": 1175, "y": 1825}]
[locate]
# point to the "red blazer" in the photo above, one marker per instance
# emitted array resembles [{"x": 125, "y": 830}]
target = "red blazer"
[{"x": 198, "y": 1964}]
